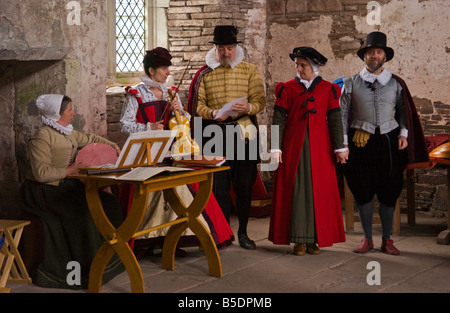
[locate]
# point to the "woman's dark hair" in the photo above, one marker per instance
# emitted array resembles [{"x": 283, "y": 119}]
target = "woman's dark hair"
[
  {"x": 148, "y": 63},
  {"x": 156, "y": 58},
  {"x": 64, "y": 103}
]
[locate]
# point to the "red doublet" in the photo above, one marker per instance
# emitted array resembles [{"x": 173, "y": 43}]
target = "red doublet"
[{"x": 291, "y": 98}]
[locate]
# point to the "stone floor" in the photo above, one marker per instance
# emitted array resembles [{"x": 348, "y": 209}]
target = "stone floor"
[{"x": 422, "y": 267}]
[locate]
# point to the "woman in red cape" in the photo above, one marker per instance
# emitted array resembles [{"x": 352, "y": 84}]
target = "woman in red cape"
[{"x": 306, "y": 207}]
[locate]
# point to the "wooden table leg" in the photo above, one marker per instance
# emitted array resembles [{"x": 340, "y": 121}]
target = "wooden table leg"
[
  {"x": 116, "y": 240},
  {"x": 349, "y": 208},
  {"x": 12, "y": 268},
  {"x": 411, "y": 197},
  {"x": 194, "y": 223},
  {"x": 448, "y": 198},
  {"x": 444, "y": 236}
]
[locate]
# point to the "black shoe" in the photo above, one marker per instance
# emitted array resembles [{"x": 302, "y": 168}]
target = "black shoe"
[{"x": 246, "y": 242}]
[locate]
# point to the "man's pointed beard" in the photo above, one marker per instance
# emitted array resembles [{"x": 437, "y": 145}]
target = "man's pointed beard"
[{"x": 374, "y": 66}]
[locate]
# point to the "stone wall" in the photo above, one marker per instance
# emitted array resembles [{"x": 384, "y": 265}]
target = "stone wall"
[{"x": 43, "y": 49}]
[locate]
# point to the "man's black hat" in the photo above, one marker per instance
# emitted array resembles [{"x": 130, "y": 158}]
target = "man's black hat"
[
  {"x": 376, "y": 40},
  {"x": 225, "y": 35},
  {"x": 310, "y": 53}
]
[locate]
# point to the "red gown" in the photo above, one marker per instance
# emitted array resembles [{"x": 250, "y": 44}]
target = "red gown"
[{"x": 291, "y": 99}]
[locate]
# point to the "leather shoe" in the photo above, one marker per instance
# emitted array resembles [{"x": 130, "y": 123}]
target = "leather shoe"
[
  {"x": 388, "y": 247},
  {"x": 365, "y": 246},
  {"x": 312, "y": 248},
  {"x": 299, "y": 249},
  {"x": 246, "y": 242}
]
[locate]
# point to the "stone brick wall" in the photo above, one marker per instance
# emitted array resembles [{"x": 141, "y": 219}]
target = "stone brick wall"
[{"x": 190, "y": 29}]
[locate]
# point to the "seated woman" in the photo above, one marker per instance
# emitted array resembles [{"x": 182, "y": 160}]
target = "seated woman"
[
  {"x": 148, "y": 107},
  {"x": 60, "y": 202}
]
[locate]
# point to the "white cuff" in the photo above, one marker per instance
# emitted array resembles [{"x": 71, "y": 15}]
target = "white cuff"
[
  {"x": 340, "y": 150},
  {"x": 403, "y": 132}
]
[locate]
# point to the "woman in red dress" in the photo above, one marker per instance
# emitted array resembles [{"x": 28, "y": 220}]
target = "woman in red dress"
[{"x": 306, "y": 207}]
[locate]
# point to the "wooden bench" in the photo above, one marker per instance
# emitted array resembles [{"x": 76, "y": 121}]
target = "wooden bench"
[{"x": 12, "y": 268}]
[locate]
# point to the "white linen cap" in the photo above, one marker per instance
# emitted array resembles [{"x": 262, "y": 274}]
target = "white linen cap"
[{"x": 50, "y": 105}]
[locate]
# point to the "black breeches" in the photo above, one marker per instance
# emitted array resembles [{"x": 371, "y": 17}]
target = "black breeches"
[{"x": 376, "y": 169}]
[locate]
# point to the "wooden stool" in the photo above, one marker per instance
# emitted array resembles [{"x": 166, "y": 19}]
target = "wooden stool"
[
  {"x": 351, "y": 217},
  {"x": 12, "y": 268}
]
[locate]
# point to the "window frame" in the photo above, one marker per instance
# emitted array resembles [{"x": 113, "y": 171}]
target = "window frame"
[{"x": 156, "y": 34}]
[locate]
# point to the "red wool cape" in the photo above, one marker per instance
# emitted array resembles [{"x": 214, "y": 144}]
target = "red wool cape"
[{"x": 327, "y": 205}]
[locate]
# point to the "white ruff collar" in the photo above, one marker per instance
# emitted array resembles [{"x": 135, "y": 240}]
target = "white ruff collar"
[
  {"x": 307, "y": 83},
  {"x": 65, "y": 130},
  {"x": 212, "y": 62},
  {"x": 151, "y": 83},
  {"x": 383, "y": 78}
]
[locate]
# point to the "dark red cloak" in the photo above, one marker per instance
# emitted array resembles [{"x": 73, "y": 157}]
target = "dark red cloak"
[{"x": 291, "y": 96}]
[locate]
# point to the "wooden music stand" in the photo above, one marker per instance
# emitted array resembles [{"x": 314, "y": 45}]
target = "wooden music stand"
[
  {"x": 143, "y": 156},
  {"x": 142, "y": 146}
]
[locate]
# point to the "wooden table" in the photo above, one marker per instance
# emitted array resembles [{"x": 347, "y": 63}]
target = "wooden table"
[
  {"x": 116, "y": 239},
  {"x": 444, "y": 236}
]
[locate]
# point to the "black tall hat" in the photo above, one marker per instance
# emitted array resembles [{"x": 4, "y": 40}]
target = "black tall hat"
[
  {"x": 225, "y": 35},
  {"x": 310, "y": 53},
  {"x": 376, "y": 40}
]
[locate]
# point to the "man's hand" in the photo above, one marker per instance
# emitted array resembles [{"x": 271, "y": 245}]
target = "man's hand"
[
  {"x": 241, "y": 107},
  {"x": 402, "y": 142},
  {"x": 214, "y": 114}
]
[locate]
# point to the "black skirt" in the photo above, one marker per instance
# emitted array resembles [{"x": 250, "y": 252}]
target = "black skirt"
[{"x": 69, "y": 231}]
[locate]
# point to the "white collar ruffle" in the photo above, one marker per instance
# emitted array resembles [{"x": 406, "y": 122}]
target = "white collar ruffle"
[
  {"x": 65, "y": 130},
  {"x": 151, "y": 83},
  {"x": 212, "y": 62},
  {"x": 307, "y": 83},
  {"x": 383, "y": 78}
]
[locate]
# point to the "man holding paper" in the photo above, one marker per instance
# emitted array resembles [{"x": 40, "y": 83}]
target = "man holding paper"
[{"x": 227, "y": 82}]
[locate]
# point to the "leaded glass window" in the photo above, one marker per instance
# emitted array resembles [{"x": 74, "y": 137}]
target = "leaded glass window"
[{"x": 130, "y": 35}]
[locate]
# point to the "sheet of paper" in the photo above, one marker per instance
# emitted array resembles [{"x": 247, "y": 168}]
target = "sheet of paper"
[
  {"x": 144, "y": 173},
  {"x": 226, "y": 109}
]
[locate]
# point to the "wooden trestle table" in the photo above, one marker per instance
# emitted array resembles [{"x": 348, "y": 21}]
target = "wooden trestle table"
[
  {"x": 116, "y": 239},
  {"x": 444, "y": 236}
]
